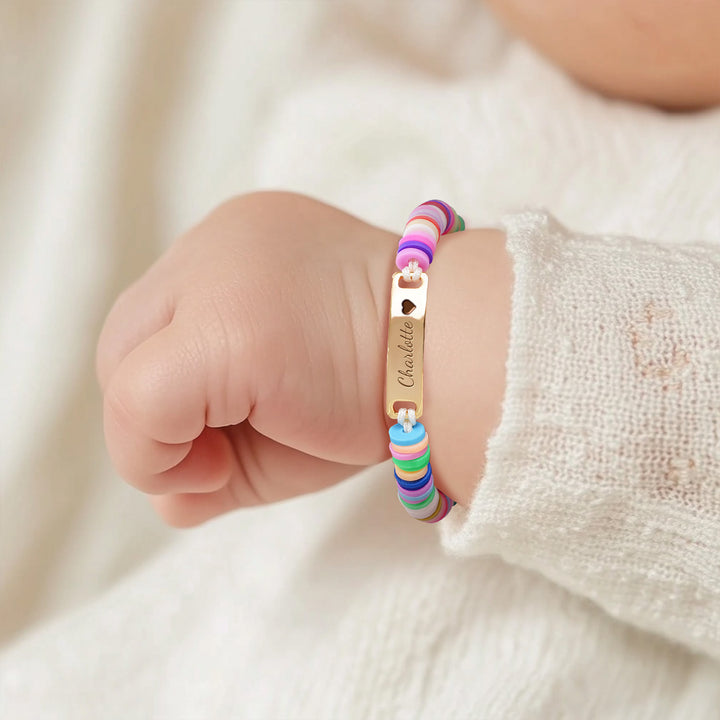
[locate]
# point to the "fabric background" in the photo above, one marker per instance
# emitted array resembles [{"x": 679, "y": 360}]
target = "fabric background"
[{"x": 124, "y": 122}]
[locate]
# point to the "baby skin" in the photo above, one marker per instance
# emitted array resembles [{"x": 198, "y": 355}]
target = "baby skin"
[{"x": 247, "y": 365}]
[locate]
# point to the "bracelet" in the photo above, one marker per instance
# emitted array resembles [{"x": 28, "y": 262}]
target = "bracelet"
[{"x": 409, "y": 442}]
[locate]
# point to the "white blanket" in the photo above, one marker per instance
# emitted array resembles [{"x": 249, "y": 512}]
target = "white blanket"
[{"x": 124, "y": 122}]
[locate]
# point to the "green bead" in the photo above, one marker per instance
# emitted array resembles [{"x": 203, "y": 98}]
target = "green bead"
[
  {"x": 424, "y": 503},
  {"x": 462, "y": 223},
  {"x": 412, "y": 465}
]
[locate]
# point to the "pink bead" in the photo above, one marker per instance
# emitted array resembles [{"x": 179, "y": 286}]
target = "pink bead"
[
  {"x": 417, "y": 237},
  {"x": 405, "y": 256},
  {"x": 407, "y": 456}
]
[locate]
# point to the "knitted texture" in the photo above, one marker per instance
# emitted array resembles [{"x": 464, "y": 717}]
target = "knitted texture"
[{"x": 604, "y": 473}]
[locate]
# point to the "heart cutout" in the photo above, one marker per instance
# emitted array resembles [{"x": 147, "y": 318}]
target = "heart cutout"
[{"x": 408, "y": 306}]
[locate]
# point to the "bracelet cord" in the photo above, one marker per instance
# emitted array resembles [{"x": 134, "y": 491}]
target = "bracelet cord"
[{"x": 409, "y": 442}]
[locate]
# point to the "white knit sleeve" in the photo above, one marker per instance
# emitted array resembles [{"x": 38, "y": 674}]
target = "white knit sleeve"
[{"x": 604, "y": 472}]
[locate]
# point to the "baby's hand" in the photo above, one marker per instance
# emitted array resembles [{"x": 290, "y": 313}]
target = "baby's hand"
[{"x": 246, "y": 366}]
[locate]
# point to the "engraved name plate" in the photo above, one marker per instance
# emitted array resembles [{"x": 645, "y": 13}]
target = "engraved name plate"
[{"x": 406, "y": 337}]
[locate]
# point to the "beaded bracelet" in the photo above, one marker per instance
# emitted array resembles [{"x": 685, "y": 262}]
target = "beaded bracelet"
[{"x": 409, "y": 443}]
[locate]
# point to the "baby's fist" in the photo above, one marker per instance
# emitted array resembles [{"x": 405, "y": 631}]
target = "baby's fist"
[{"x": 246, "y": 365}]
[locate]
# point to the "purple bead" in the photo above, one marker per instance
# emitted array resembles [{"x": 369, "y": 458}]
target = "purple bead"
[
  {"x": 408, "y": 254},
  {"x": 414, "y": 495},
  {"x": 404, "y": 244},
  {"x": 415, "y": 499}
]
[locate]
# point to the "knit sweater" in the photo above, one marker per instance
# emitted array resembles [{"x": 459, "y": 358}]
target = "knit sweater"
[{"x": 604, "y": 473}]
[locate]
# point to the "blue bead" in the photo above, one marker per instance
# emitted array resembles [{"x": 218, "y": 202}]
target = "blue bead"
[
  {"x": 412, "y": 499},
  {"x": 414, "y": 484},
  {"x": 399, "y": 437}
]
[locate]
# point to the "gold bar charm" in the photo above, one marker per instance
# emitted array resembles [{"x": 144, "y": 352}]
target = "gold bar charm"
[{"x": 406, "y": 338}]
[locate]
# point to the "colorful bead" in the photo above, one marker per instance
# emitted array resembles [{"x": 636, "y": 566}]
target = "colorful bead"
[
  {"x": 422, "y": 491},
  {"x": 415, "y": 500},
  {"x": 442, "y": 509},
  {"x": 423, "y": 226},
  {"x": 417, "y": 479},
  {"x": 411, "y": 450},
  {"x": 399, "y": 437},
  {"x": 423, "y": 223},
  {"x": 419, "y": 496},
  {"x": 433, "y": 212},
  {"x": 447, "y": 211},
  {"x": 424, "y": 238},
  {"x": 410, "y": 476},
  {"x": 407, "y": 456},
  {"x": 415, "y": 464},
  {"x": 427, "y": 222},
  {"x": 429, "y": 498},
  {"x": 414, "y": 484},
  {"x": 405, "y": 256},
  {"x": 426, "y": 511},
  {"x": 416, "y": 245}
]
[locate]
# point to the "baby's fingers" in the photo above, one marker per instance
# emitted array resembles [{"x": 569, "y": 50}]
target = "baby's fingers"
[
  {"x": 154, "y": 404},
  {"x": 259, "y": 470},
  {"x": 156, "y": 412},
  {"x": 140, "y": 311},
  {"x": 204, "y": 466}
]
